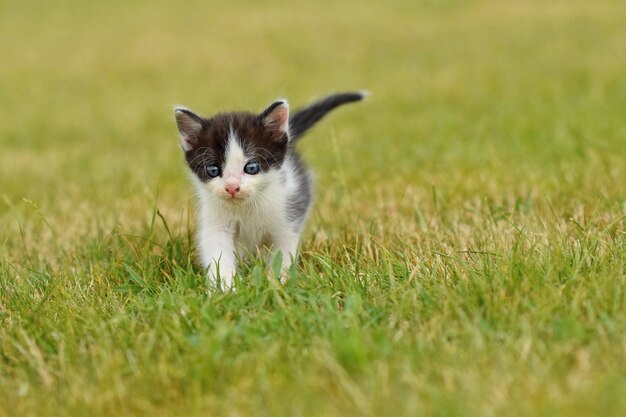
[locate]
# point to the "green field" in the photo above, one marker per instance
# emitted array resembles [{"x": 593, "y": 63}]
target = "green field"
[{"x": 466, "y": 255}]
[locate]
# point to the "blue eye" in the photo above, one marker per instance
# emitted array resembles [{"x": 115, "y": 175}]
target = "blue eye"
[
  {"x": 212, "y": 171},
  {"x": 252, "y": 168}
]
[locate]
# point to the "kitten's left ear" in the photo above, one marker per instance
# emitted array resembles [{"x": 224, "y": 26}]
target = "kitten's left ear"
[{"x": 276, "y": 119}]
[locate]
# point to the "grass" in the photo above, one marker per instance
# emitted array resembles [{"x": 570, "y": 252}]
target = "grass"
[{"x": 466, "y": 255}]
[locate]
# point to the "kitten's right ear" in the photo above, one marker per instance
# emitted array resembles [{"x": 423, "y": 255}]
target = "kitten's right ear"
[{"x": 189, "y": 125}]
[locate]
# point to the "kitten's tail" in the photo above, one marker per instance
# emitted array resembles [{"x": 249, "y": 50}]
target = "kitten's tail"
[{"x": 303, "y": 119}]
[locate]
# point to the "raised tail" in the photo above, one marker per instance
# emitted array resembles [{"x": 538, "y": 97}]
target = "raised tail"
[{"x": 303, "y": 119}]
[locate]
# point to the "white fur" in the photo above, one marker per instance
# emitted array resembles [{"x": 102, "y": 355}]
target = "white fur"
[{"x": 235, "y": 227}]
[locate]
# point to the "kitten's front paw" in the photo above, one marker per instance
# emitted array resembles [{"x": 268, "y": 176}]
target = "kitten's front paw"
[
  {"x": 226, "y": 281},
  {"x": 284, "y": 275}
]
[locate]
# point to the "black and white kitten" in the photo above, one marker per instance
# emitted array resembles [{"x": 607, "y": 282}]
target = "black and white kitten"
[{"x": 253, "y": 189}]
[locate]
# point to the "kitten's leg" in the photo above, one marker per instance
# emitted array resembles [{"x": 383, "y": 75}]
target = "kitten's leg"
[
  {"x": 217, "y": 254},
  {"x": 287, "y": 243}
]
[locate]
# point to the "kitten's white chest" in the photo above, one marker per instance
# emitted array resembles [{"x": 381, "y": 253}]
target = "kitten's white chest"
[
  {"x": 250, "y": 237},
  {"x": 259, "y": 227}
]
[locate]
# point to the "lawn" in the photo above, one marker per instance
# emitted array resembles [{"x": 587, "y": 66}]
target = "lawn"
[{"x": 466, "y": 255}]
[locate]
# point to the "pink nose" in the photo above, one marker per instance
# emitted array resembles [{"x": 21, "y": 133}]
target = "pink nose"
[{"x": 232, "y": 190}]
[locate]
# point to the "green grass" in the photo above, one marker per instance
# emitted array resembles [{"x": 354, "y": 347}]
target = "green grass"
[{"x": 466, "y": 254}]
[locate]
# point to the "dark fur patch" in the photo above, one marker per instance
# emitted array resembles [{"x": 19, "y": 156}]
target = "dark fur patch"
[
  {"x": 262, "y": 143},
  {"x": 298, "y": 203},
  {"x": 303, "y": 119},
  {"x": 259, "y": 142}
]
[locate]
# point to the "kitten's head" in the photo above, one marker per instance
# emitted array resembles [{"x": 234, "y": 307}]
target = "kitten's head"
[{"x": 235, "y": 155}]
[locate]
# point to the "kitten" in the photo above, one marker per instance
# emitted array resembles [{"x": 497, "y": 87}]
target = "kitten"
[{"x": 253, "y": 189}]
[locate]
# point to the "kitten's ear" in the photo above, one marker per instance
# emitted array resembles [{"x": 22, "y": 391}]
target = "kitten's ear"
[
  {"x": 276, "y": 118},
  {"x": 189, "y": 125}
]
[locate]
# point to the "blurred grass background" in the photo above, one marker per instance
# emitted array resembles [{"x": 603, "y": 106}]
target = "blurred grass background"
[{"x": 494, "y": 127}]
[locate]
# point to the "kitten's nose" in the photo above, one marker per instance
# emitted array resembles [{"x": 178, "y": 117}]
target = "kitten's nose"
[{"x": 232, "y": 190}]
